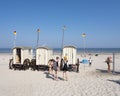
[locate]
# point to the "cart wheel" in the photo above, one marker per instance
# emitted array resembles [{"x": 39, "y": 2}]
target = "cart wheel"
[
  {"x": 10, "y": 64},
  {"x": 33, "y": 64},
  {"x": 26, "y": 64}
]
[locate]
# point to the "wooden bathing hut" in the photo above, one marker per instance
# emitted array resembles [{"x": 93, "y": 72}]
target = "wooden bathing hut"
[
  {"x": 21, "y": 58},
  {"x": 43, "y": 55},
  {"x": 71, "y": 53},
  {"x": 22, "y": 53}
]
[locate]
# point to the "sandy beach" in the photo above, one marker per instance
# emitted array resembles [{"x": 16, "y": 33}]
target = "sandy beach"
[{"x": 90, "y": 81}]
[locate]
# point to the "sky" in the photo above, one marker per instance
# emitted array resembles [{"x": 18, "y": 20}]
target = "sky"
[{"x": 98, "y": 19}]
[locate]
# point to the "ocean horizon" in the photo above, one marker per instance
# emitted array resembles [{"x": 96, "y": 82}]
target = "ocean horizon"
[{"x": 79, "y": 50}]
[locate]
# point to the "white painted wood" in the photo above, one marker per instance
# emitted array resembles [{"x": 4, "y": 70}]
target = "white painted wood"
[
  {"x": 22, "y": 53},
  {"x": 43, "y": 55},
  {"x": 70, "y": 52}
]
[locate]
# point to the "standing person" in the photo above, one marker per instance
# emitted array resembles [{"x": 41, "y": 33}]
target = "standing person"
[
  {"x": 61, "y": 64},
  {"x": 108, "y": 61},
  {"x": 65, "y": 68},
  {"x": 77, "y": 64},
  {"x": 55, "y": 68},
  {"x": 50, "y": 64},
  {"x": 57, "y": 62},
  {"x": 90, "y": 61}
]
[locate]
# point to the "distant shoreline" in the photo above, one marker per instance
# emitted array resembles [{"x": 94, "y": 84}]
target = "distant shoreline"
[{"x": 79, "y": 50}]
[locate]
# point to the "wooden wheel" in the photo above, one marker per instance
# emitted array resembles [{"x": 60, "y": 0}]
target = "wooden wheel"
[{"x": 10, "y": 64}]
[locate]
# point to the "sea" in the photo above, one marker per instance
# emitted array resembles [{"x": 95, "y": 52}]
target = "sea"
[{"x": 79, "y": 50}]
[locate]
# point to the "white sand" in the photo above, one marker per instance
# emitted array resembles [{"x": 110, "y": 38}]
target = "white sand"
[{"x": 90, "y": 81}]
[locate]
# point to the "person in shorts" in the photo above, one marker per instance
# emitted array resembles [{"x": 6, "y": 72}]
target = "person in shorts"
[
  {"x": 55, "y": 69},
  {"x": 65, "y": 68}
]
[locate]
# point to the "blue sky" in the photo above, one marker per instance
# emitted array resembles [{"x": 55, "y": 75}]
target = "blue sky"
[{"x": 99, "y": 19}]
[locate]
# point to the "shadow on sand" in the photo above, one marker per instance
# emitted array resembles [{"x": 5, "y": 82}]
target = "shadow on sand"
[
  {"x": 115, "y": 81},
  {"x": 102, "y": 71},
  {"x": 105, "y": 71},
  {"x": 50, "y": 76}
]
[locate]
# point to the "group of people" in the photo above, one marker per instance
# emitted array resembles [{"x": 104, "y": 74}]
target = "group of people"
[{"x": 56, "y": 65}]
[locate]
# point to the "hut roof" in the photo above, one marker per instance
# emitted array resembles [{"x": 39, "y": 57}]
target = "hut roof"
[
  {"x": 70, "y": 47},
  {"x": 22, "y": 47},
  {"x": 44, "y": 48}
]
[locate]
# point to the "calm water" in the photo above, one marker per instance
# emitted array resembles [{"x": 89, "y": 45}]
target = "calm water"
[
  {"x": 94, "y": 50},
  {"x": 80, "y": 50},
  {"x": 5, "y": 50}
]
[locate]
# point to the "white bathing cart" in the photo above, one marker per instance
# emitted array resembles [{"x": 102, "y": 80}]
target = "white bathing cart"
[
  {"x": 70, "y": 52},
  {"x": 43, "y": 55},
  {"x": 21, "y": 57}
]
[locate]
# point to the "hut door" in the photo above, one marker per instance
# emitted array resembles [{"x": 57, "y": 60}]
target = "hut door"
[
  {"x": 43, "y": 58},
  {"x": 18, "y": 55}
]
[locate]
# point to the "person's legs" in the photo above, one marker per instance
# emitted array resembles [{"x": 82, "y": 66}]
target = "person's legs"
[
  {"x": 66, "y": 76},
  {"x": 90, "y": 64},
  {"x": 49, "y": 70},
  {"x": 108, "y": 67},
  {"x": 63, "y": 74},
  {"x": 77, "y": 68},
  {"x": 56, "y": 74}
]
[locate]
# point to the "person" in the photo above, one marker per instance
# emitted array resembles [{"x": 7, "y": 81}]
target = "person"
[
  {"x": 55, "y": 68},
  {"x": 57, "y": 62},
  {"x": 108, "y": 61},
  {"x": 90, "y": 61},
  {"x": 50, "y": 64},
  {"x": 61, "y": 64},
  {"x": 65, "y": 68},
  {"x": 77, "y": 64}
]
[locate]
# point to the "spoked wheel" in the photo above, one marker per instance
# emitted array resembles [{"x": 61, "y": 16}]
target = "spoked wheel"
[
  {"x": 26, "y": 64},
  {"x": 10, "y": 64},
  {"x": 33, "y": 64}
]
